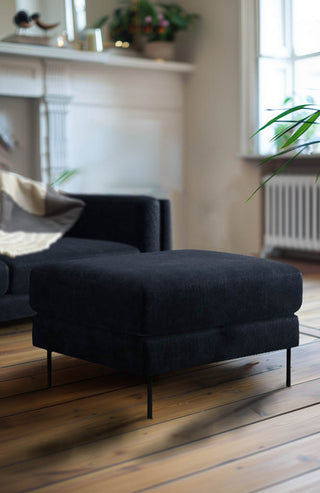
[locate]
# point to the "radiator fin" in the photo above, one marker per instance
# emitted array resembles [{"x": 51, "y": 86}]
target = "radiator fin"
[{"x": 292, "y": 213}]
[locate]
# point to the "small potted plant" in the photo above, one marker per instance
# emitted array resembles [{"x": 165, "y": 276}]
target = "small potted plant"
[
  {"x": 148, "y": 25},
  {"x": 162, "y": 28}
]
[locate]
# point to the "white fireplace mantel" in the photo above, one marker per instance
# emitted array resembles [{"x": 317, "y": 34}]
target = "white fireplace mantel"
[
  {"x": 117, "y": 119},
  {"x": 106, "y": 58}
]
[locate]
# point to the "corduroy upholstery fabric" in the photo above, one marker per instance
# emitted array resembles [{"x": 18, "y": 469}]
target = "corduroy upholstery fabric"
[
  {"x": 64, "y": 249},
  {"x": 135, "y": 220},
  {"x": 4, "y": 278},
  {"x": 165, "y": 225},
  {"x": 168, "y": 292},
  {"x": 110, "y": 224},
  {"x": 163, "y": 311},
  {"x": 15, "y": 306},
  {"x": 145, "y": 355}
]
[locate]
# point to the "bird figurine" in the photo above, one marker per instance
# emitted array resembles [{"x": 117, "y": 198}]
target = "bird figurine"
[
  {"x": 22, "y": 19},
  {"x": 36, "y": 18}
]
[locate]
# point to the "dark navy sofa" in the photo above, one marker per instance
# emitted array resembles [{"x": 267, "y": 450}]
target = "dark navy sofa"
[{"x": 109, "y": 224}]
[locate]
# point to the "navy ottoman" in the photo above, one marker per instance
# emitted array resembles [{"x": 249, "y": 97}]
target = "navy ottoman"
[{"x": 163, "y": 311}]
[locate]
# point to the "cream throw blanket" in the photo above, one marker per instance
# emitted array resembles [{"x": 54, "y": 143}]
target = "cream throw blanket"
[{"x": 32, "y": 215}]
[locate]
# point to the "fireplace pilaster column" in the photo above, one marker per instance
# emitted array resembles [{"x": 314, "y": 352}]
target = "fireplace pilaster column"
[{"x": 53, "y": 112}]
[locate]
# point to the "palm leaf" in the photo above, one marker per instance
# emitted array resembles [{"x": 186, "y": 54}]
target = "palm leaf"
[
  {"x": 275, "y": 173},
  {"x": 286, "y": 130},
  {"x": 295, "y": 123},
  {"x": 303, "y": 128},
  {"x": 281, "y": 115},
  {"x": 286, "y": 151}
]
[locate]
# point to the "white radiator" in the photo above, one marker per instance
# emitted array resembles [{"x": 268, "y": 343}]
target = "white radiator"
[{"x": 292, "y": 213}]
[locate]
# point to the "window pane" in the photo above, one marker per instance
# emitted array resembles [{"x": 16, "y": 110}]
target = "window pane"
[
  {"x": 275, "y": 87},
  {"x": 308, "y": 89},
  {"x": 307, "y": 73},
  {"x": 306, "y": 26},
  {"x": 272, "y": 28}
]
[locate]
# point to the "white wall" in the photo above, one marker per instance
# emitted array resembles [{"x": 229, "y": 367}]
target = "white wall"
[
  {"x": 126, "y": 135},
  {"x": 217, "y": 180},
  {"x": 7, "y": 11},
  {"x": 214, "y": 213},
  {"x": 99, "y": 8}
]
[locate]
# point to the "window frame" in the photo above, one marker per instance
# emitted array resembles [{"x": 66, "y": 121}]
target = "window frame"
[
  {"x": 249, "y": 16},
  {"x": 250, "y": 58}
]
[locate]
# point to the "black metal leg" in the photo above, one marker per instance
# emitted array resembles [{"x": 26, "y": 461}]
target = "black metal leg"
[
  {"x": 49, "y": 367},
  {"x": 289, "y": 367},
  {"x": 149, "y": 384}
]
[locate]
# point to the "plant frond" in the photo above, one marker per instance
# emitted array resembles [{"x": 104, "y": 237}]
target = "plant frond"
[
  {"x": 302, "y": 129},
  {"x": 281, "y": 115},
  {"x": 275, "y": 173}
]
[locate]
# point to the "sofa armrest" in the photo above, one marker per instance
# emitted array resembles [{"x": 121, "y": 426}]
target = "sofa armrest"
[
  {"x": 140, "y": 221},
  {"x": 165, "y": 225}
]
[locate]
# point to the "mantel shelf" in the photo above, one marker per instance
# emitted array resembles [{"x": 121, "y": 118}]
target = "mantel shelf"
[{"x": 104, "y": 58}]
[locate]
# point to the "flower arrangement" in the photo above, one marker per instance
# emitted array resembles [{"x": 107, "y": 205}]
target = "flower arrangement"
[
  {"x": 166, "y": 22},
  {"x": 154, "y": 21},
  {"x": 156, "y": 30}
]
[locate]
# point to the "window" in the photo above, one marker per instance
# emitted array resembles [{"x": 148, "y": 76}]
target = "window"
[
  {"x": 76, "y": 17},
  {"x": 281, "y": 62}
]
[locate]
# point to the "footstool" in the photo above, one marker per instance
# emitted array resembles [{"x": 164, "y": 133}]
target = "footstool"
[{"x": 158, "y": 312}]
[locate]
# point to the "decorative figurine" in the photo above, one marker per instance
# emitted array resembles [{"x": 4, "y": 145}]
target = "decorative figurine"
[{"x": 23, "y": 20}]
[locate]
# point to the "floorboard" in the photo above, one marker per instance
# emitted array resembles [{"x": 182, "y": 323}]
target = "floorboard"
[{"x": 232, "y": 426}]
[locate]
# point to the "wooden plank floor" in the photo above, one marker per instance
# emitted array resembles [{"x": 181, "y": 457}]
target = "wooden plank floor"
[{"x": 229, "y": 427}]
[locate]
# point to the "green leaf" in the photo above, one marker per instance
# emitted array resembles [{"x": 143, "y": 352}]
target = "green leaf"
[
  {"x": 275, "y": 173},
  {"x": 287, "y": 129},
  {"x": 171, "y": 7},
  {"x": 145, "y": 8},
  {"x": 303, "y": 128},
  {"x": 281, "y": 115},
  {"x": 283, "y": 132},
  {"x": 65, "y": 176},
  {"x": 288, "y": 99},
  {"x": 296, "y": 121},
  {"x": 178, "y": 15},
  {"x": 286, "y": 151},
  {"x": 177, "y": 20},
  {"x": 101, "y": 22}
]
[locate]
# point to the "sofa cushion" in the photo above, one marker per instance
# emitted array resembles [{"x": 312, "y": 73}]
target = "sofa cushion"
[
  {"x": 64, "y": 249},
  {"x": 167, "y": 292},
  {"x": 4, "y": 278}
]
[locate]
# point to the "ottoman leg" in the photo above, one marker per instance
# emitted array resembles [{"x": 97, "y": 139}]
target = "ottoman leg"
[
  {"x": 289, "y": 367},
  {"x": 49, "y": 367},
  {"x": 149, "y": 398}
]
